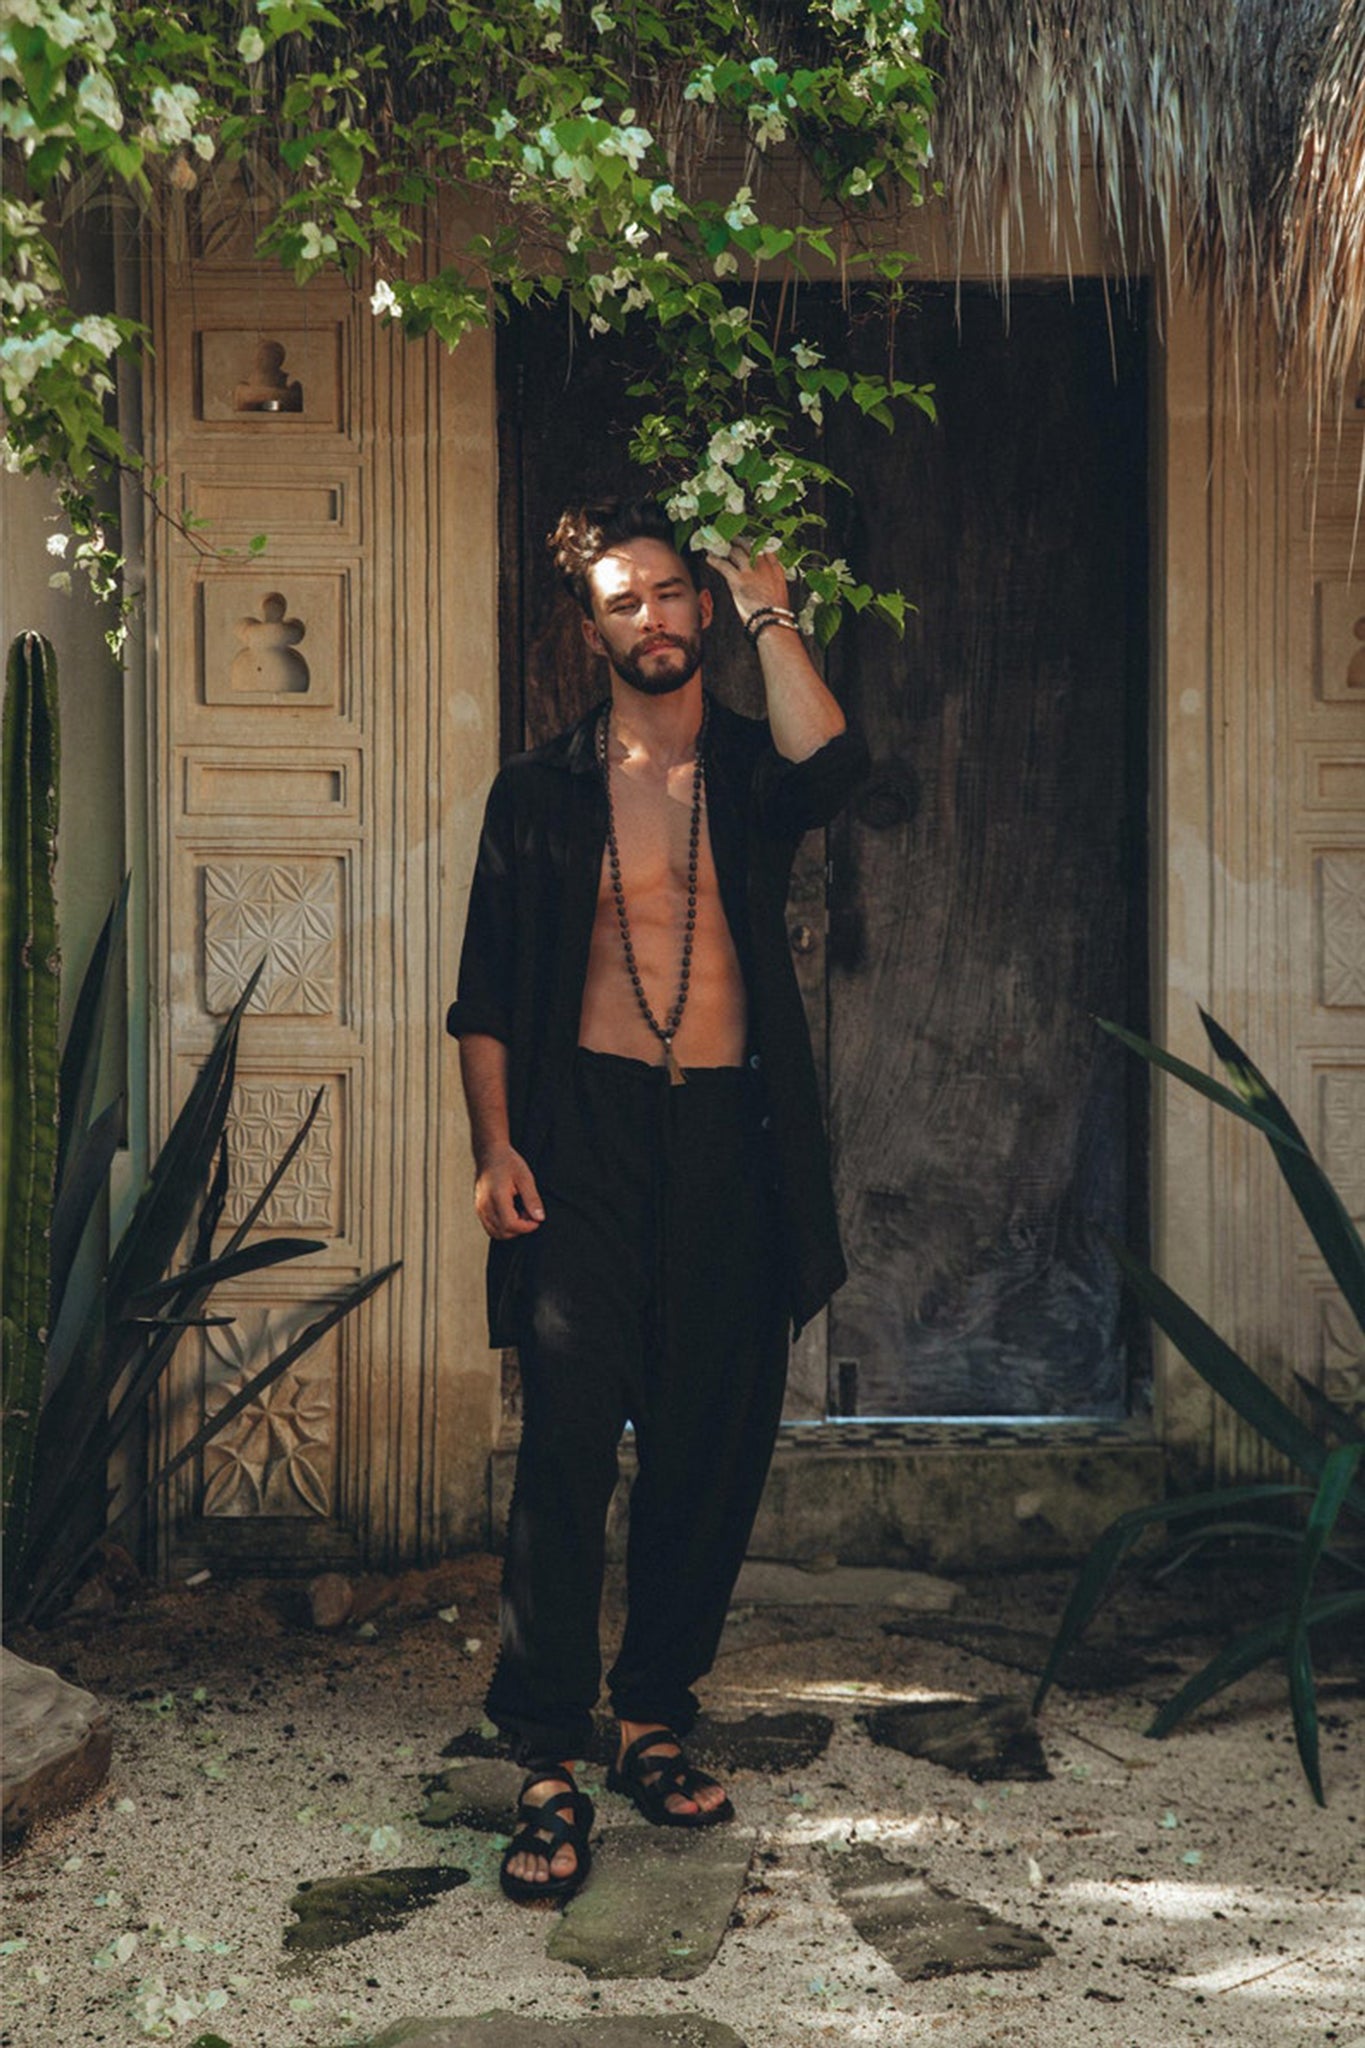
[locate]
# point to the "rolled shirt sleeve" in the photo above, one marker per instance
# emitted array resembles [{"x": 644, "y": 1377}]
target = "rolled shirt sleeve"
[{"x": 793, "y": 797}]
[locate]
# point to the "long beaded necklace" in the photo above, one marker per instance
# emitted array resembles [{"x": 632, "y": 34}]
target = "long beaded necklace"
[{"x": 668, "y": 1030}]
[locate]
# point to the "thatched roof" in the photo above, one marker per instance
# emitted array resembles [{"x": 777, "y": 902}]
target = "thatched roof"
[{"x": 1225, "y": 140}]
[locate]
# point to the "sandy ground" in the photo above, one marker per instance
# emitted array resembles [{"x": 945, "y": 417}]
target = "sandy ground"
[{"x": 1191, "y": 1889}]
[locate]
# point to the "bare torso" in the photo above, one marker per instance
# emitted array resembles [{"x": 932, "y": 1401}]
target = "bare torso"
[{"x": 652, "y": 810}]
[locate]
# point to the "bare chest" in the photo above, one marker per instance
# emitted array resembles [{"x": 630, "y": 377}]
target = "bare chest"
[{"x": 653, "y": 823}]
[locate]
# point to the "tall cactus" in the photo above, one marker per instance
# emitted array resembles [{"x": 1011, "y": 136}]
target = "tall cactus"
[{"x": 29, "y": 1059}]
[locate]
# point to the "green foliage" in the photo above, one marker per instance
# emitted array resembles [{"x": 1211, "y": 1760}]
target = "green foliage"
[
  {"x": 1333, "y": 1472},
  {"x": 28, "y": 1060},
  {"x": 593, "y": 150}
]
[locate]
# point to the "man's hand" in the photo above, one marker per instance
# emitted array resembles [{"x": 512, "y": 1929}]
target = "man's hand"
[
  {"x": 754, "y": 580},
  {"x": 506, "y": 1199}
]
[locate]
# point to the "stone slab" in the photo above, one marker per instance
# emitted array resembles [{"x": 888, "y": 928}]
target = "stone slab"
[
  {"x": 766, "y": 1584},
  {"x": 57, "y": 1744},
  {"x": 922, "y": 1929},
  {"x": 516, "y": 2030},
  {"x": 481, "y": 1794},
  {"x": 992, "y": 1737},
  {"x": 332, "y": 1911},
  {"x": 657, "y": 1902}
]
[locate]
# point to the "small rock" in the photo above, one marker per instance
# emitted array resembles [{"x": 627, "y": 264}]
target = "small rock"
[
  {"x": 331, "y": 1599},
  {"x": 58, "y": 1743}
]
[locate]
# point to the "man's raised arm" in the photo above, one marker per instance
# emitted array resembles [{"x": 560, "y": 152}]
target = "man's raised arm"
[{"x": 803, "y": 715}]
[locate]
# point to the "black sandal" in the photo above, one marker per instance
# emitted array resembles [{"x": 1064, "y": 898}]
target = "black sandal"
[
  {"x": 564, "y": 1819},
  {"x": 651, "y": 1781}
]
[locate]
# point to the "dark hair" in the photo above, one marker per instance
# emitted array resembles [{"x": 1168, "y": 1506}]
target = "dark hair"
[{"x": 587, "y": 532}]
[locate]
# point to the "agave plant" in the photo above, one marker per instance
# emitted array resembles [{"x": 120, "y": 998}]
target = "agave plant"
[
  {"x": 1328, "y": 1487},
  {"x": 81, "y": 1372}
]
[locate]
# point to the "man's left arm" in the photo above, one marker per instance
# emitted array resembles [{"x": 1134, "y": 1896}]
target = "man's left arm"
[
  {"x": 817, "y": 761},
  {"x": 803, "y": 715}
]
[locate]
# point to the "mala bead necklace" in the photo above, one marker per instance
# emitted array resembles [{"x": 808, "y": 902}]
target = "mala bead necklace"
[{"x": 667, "y": 1031}]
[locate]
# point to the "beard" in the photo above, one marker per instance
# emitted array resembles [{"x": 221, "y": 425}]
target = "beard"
[{"x": 660, "y": 682}]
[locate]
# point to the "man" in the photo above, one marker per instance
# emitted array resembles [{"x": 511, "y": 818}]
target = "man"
[{"x": 649, "y": 1155}]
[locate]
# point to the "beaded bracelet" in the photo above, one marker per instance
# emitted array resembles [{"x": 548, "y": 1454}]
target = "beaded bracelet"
[
  {"x": 773, "y": 620},
  {"x": 768, "y": 615}
]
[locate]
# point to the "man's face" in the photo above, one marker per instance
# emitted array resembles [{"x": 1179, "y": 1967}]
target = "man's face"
[{"x": 647, "y": 616}]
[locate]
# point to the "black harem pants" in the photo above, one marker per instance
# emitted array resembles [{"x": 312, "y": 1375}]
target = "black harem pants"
[{"x": 651, "y": 1294}]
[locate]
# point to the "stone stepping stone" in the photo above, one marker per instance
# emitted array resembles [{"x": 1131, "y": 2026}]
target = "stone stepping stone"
[
  {"x": 58, "y": 1743},
  {"x": 765, "y": 1584},
  {"x": 516, "y": 2030},
  {"x": 333, "y": 1911},
  {"x": 989, "y": 1738},
  {"x": 922, "y": 1929},
  {"x": 656, "y": 1904},
  {"x": 482, "y": 1794}
]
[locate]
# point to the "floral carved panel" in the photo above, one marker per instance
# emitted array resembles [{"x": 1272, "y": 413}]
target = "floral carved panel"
[
  {"x": 266, "y": 1113},
  {"x": 277, "y": 1457},
  {"x": 1341, "y": 929},
  {"x": 1341, "y": 1134},
  {"x": 287, "y": 913}
]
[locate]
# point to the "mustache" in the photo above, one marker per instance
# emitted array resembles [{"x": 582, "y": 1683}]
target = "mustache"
[{"x": 652, "y": 642}]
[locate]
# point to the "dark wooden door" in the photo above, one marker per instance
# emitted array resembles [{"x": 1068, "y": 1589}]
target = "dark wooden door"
[
  {"x": 986, "y": 896},
  {"x": 987, "y": 885}
]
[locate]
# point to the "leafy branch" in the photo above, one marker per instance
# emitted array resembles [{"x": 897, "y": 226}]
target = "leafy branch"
[{"x": 637, "y": 162}]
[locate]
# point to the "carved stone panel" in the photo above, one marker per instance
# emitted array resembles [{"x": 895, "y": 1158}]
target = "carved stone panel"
[
  {"x": 281, "y": 506},
  {"x": 1341, "y": 928},
  {"x": 1339, "y": 1352},
  {"x": 1334, "y": 780},
  {"x": 266, "y": 1113},
  {"x": 275, "y": 637},
  {"x": 269, "y": 382},
  {"x": 278, "y": 1456},
  {"x": 1341, "y": 1134},
  {"x": 271, "y": 784},
  {"x": 286, "y": 913},
  {"x": 1339, "y": 651}
]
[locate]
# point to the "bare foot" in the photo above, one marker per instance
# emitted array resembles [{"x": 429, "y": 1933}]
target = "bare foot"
[
  {"x": 536, "y": 1869},
  {"x": 708, "y": 1798}
]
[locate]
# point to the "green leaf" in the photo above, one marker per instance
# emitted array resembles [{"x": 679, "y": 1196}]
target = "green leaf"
[
  {"x": 85, "y": 1033},
  {"x": 1329, "y": 1414},
  {"x": 1230, "y": 1376},
  {"x": 1101, "y": 1565},
  {"x": 84, "y": 1179},
  {"x": 1193, "y": 1077},
  {"x": 1243, "y": 1655},
  {"x": 1333, "y": 1489},
  {"x": 1319, "y": 1204},
  {"x": 272, "y": 1251}
]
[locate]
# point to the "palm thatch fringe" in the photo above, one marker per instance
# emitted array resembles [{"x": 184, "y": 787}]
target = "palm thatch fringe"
[{"x": 1224, "y": 139}]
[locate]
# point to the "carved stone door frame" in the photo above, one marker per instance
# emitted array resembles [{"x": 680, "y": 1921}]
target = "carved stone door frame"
[{"x": 321, "y": 727}]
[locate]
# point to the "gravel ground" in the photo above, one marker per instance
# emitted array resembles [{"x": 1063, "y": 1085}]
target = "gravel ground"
[{"x": 1191, "y": 1889}]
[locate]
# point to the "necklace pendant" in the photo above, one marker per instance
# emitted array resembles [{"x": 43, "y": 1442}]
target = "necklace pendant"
[{"x": 676, "y": 1076}]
